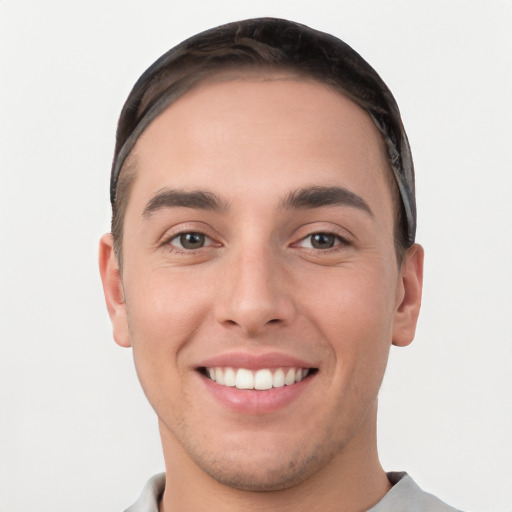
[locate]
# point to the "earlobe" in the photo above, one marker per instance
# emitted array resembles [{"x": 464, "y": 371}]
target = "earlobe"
[
  {"x": 408, "y": 296},
  {"x": 113, "y": 290}
]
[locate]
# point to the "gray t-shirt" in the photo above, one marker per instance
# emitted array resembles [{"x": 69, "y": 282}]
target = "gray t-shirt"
[{"x": 404, "y": 496}]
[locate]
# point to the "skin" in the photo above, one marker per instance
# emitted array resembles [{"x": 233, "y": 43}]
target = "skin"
[{"x": 258, "y": 285}]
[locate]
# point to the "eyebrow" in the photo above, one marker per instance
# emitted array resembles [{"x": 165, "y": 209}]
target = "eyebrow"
[
  {"x": 172, "y": 198},
  {"x": 301, "y": 199},
  {"x": 317, "y": 197}
]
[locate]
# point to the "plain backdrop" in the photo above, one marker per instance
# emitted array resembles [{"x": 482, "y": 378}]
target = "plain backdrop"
[{"x": 76, "y": 433}]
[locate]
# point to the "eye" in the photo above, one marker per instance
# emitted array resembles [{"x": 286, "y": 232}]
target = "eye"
[
  {"x": 190, "y": 240},
  {"x": 321, "y": 241}
]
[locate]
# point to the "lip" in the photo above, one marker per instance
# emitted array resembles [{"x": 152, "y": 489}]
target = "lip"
[
  {"x": 256, "y": 402},
  {"x": 255, "y": 361}
]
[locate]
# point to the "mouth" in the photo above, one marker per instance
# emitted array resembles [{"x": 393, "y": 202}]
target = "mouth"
[{"x": 261, "y": 379}]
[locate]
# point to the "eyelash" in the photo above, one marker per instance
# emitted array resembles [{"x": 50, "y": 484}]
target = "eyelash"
[
  {"x": 208, "y": 241},
  {"x": 339, "y": 242}
]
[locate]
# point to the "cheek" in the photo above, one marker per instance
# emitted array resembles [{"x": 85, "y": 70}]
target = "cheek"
[
  {"x": 168, "y": 304},
  {"x": 354, "y": 312},
  {"x": 164, "y": 313},
  {"x": 362, "y": 300}
]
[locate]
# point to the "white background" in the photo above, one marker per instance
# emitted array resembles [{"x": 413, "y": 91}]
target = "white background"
[{"x": 76, "y": 433}]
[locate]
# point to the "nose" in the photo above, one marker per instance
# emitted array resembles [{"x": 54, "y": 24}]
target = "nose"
[{"x": 255, "y": 292}]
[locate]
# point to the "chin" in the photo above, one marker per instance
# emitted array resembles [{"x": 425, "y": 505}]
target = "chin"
[
  {"x": 272, "y": 476},
  {"x": 263, "y": 470}
]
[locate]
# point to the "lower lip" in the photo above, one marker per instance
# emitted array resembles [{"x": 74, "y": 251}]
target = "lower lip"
[{"x": 257, "y": 402}]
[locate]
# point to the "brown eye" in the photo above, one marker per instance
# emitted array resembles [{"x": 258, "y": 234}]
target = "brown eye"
[
  {"x": 191, "y": 240},
  {"x": 323, "y": 240}
]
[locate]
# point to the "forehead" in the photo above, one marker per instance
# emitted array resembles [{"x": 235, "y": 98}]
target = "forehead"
[{"x": 270, "y": 130}]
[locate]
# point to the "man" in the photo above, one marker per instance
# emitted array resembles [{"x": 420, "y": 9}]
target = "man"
[{"x": 261, "y": 263}]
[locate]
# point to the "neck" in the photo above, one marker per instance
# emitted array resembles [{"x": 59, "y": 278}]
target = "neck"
[{"x": 353, "y": 481}]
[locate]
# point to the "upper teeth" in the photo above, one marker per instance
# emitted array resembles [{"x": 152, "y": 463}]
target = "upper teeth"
[{"x": 261, "y": 379}]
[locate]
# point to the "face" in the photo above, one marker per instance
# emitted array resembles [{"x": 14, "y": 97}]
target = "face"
[{"x": 260, "y": 289}]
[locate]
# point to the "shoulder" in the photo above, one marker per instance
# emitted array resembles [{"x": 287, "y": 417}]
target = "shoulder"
[
  {"x": 404, "y": 496},
  {"x": 148, "y": 500},
  {"x": 407, "y": 496}
]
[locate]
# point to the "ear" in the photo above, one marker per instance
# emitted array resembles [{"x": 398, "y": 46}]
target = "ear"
[
  {"x": 113, "y": 290},
  {"x": 408, "y": 296}
]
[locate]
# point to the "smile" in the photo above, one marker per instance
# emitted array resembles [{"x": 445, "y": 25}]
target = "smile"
[{"x": 265, "y": 378}]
